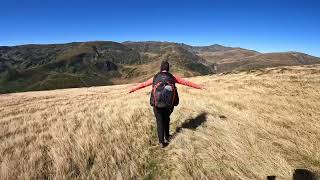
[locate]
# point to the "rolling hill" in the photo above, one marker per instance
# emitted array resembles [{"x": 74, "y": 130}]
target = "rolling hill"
[
  {"x": 246, "y": 125},
  {"x": 256, "y": 60},
  {"x": 84, "y": 64}
]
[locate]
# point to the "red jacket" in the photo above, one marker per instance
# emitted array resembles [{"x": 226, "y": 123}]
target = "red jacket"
[{"x": 178, "y": 79}]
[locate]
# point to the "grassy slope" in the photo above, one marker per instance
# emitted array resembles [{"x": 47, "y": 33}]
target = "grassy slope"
[
  {"x": 244, "y": 126},
  {"x": 266, "y": 60}
]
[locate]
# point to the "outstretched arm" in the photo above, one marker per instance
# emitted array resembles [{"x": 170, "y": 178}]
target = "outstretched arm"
[
  {"x": 142, "y": 85},
  {"x": 179, "y": 80}
]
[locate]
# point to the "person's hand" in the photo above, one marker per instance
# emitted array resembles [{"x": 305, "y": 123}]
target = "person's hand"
[
  {"x": 203, "y": 87},
  {"x": 131, "y": 90}
]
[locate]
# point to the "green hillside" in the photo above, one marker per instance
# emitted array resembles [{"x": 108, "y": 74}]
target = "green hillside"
[{"x": 82, "y": 64}]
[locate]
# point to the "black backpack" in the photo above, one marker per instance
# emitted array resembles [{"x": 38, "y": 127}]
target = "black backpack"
[{"x": 164, "y": 92}]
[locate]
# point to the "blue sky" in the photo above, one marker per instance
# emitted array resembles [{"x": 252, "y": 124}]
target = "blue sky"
[{"x": 262, "y": 25}]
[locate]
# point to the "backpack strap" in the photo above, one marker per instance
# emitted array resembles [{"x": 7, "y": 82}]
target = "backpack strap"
[
  {"x": 154, "y": 93},
  {"x": 174, "y": 92}
]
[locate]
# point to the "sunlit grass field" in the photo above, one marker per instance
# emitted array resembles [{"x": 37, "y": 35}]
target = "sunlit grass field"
[{"x": 245, "y": 125}]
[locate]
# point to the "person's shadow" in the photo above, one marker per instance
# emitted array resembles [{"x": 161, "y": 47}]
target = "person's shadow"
[{"x": 192, "y": 123}]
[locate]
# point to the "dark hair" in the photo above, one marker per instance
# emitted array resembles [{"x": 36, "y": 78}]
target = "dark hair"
[{"x": 164, "y": 66}]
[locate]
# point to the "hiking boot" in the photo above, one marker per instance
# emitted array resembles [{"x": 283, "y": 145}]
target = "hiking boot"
[
  {"x": 163, "y": 145},
  {"x": 168, "y": 139}
]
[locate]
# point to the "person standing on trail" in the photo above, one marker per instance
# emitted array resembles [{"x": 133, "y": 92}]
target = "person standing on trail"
[{"x": 164, "y": 96}]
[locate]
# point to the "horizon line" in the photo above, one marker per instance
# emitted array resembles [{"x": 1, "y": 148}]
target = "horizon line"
[{"x": 159, "y": 41}]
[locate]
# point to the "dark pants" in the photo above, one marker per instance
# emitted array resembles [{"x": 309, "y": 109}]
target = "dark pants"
[{"x": 163, "y": 122}]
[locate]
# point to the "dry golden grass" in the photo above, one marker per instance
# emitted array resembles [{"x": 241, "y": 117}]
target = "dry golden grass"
[{"x": 244, "y": 126}]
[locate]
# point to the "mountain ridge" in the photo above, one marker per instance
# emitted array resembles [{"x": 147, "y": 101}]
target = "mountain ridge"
[{"x": 93, "y": 63}]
